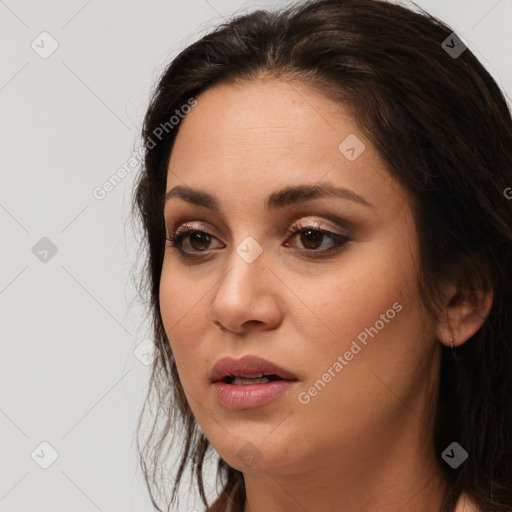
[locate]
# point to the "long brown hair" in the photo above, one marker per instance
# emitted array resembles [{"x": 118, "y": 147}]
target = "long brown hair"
[{"x": 444, "y": 128}]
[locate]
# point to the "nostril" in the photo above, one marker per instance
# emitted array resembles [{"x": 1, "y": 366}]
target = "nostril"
[{"x": 219, "y": 325}]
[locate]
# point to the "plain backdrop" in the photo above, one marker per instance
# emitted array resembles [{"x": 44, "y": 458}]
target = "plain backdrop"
[{"x": 74, "y": 84}]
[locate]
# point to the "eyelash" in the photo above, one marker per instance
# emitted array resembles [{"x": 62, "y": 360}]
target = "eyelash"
[{"x": 176, "y": 239}]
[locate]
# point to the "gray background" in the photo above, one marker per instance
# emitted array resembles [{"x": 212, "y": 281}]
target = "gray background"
[{"x": 69, "y": 374}]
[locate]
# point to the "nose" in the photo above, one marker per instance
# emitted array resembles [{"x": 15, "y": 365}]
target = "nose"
[{"x": 246, "y": 297}]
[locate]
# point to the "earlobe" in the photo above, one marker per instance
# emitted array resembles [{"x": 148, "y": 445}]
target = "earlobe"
[{"x": 464, "y": 314}]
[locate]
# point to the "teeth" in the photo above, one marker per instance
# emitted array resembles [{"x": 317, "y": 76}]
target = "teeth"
[
  {"x": 243, "y": 382},
  {"x": 250, "y": 375}
]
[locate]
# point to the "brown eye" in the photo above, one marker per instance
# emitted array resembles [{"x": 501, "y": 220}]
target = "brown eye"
[
  {"x": 311, "y": 239},
  {"x": 199, "y": 241}
]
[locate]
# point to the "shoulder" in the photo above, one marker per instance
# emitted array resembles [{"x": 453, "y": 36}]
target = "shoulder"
[{"x": 465, "y": 504}]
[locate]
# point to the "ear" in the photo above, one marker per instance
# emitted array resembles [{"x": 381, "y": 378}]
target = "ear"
[{"x": 467, "y": 306}]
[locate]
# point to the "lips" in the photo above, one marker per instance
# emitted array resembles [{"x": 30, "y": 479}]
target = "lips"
[{"x": 227, "y": 368}]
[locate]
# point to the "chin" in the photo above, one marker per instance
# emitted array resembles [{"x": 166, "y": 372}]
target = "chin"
[{"x": 256, "y": 454}]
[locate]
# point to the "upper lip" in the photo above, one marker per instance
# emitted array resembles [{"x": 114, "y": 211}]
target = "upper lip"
[{"x": 247, "y": 365}]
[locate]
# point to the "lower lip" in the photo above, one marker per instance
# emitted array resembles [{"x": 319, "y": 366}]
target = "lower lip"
[{"x": 251, "y": 395}]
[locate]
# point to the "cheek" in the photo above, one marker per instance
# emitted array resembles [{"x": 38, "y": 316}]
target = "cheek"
[
  {"x": 182, "y": 295},
  {"x": 381, "y": 358},
  {"x": 182, "y": 306},
  {"x": 365, "y": 285},
  {"x": 371, "y": 313}
]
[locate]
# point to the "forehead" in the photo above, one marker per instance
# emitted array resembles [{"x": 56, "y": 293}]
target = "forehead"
[
  {"x": 272, "y": 116},
  {"x": 257, "y": 136}
]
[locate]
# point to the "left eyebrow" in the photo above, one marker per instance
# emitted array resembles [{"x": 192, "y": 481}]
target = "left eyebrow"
[
  {"x": 277, "y": 200},
  {"x": 301, "y": 193}
]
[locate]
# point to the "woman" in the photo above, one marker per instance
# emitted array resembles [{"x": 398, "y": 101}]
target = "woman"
[{"x": 324, "y": 198}]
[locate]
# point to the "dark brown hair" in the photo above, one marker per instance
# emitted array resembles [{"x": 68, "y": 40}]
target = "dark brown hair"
[{"x": 444, "y": 128}]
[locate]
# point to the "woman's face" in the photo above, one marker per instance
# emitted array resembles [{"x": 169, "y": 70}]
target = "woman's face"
[{"x": 342, "y": 314}]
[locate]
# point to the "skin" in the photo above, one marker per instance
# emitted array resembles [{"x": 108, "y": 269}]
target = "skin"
[{"x": 364, "y": 442}]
